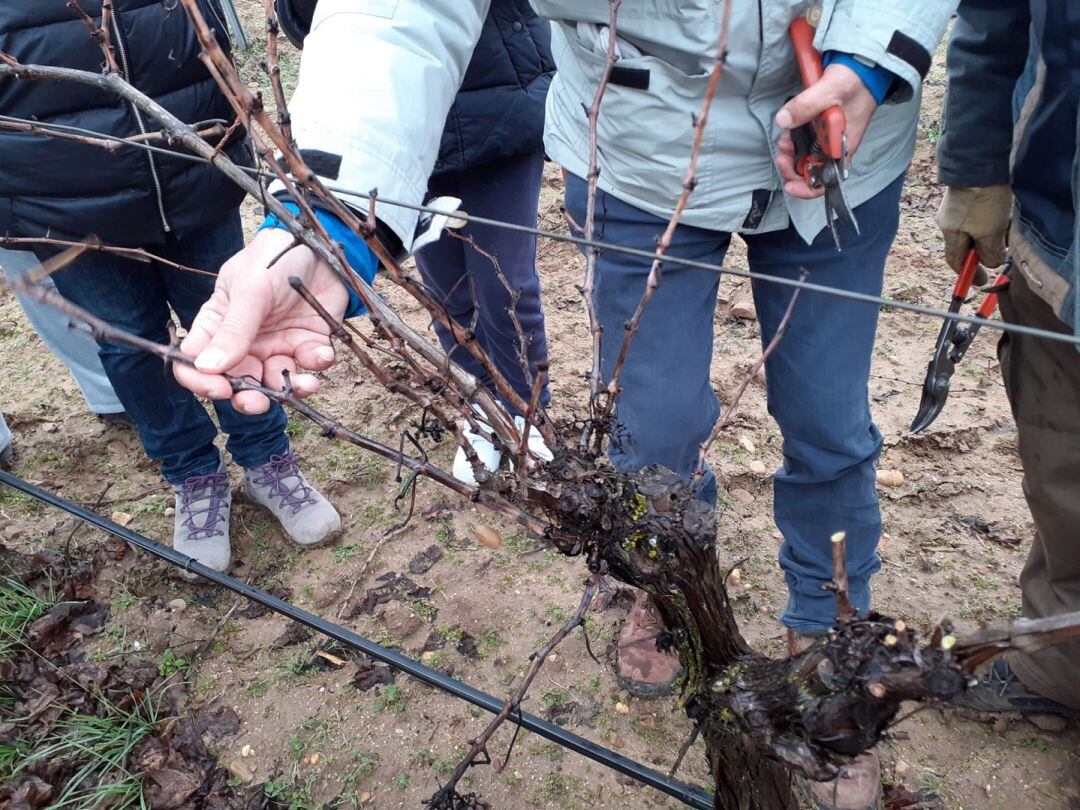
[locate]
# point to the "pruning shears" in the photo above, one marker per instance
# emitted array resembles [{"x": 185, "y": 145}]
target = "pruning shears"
[
  {"x": 954, "y": 340},
  {"x": 821, "y": 145}
]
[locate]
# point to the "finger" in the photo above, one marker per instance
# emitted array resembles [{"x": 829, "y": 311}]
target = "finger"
[
  {"x": 991, "y": 250},
  {"x": 315, "y": 355},
  {"x": 785, "y": 164},
  {"x": 957, "y": 244},
  {"x": 799, "y": 188},
  {"x": 231, "y": 340},
  {"x": 250, "y": 403},
  {"x": 807, "y": 104},
  {"x": 211, "y": 386}
]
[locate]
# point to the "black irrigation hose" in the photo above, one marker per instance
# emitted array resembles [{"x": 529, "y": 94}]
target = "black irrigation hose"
[{"x": 687, "y": 794}]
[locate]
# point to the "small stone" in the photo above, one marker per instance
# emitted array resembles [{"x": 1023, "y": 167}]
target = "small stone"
[
  {"x": 50, "y": 427},
  {"x": 239, "y": 769},
  {"x": 247, "y": 751},
  {"x": 177, "y": 605},
  {"x": 735, "y": 578},
  {"x": 648, "y": 721},
  {"x": 123, "y": 518},
  {"x": 1048, "y": 722},
  {"x": 901, "y": 769},
  {"x": 169, "y": 511},
  {"x": 622, "y": 708},
  {"x": 366, "y": 797},
  {"x": 742, "y": 496},
  {"x": 7, "y": 326},
  {"x": 757, "y": 467},
  {"x": 488, "y": 536},
  {"x": 314, "y": 758},
  {"x": 552, "y": 658},
  {"x": 427, "y": 656},
  {"x": 747, "y": 444},
  {"x": 744, "y": 309},
  {"x": 890, "y": 478}
]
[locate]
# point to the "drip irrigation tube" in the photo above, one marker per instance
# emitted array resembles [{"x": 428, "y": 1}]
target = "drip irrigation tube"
[{"x": 687, "y": 794}]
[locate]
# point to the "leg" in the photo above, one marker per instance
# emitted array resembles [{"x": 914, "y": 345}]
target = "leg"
[
  {"x": 1042, "y": 380},
  {"x": 442, "y": 265},
  {"x": 253, "y": 439},
  {"x": 672, "y": 349},
  {"x": 74, "y": 349},
  {"x": 817, "y": 383},
  {"x": 7, "y": 455},
  {"x": 509, "y": 190},
  {"x": 174, "y": 428}
]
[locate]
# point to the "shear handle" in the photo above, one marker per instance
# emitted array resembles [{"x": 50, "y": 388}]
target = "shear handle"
[
  {"x": 829, "y": 125},
  {"x": 967, "y": 276}
]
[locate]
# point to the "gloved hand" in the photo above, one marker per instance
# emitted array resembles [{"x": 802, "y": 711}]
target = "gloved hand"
[{"x": 975, "y": 217}]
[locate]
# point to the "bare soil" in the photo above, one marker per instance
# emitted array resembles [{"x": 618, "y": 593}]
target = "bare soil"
[{"x": 319, "y": 738}]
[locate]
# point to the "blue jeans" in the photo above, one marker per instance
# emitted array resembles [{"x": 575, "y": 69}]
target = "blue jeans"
[
  {"x": 466, "y": 281},
  {"x": 816, "y": 379},
  {"x": 175, "y": 429},
  {"x": 74, "y": 349}
]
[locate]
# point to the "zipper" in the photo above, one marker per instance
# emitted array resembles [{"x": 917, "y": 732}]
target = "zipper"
[{"x": 154, "y": 177}]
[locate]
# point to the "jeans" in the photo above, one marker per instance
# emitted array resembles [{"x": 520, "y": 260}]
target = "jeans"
[
  {"x": 817, "y": 379},
  {"x": 175, "y": 429},
  {"x": 466, "y": 280},
  {"x": 73, "y": 348},
  {"x": 5, "y": 434}
]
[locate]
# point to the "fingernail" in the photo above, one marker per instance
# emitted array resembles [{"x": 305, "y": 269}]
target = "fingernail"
[
  {"x": 325, "y": 353},
  {"x": 210, "y": 360},
  {"x": 783, "y": 119}
]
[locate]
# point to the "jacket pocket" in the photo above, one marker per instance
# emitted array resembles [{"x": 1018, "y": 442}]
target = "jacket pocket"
[{"x": 646, "y": 124}]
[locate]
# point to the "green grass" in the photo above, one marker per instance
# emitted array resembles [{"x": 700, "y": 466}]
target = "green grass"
[{"x": 19, "y": 608}]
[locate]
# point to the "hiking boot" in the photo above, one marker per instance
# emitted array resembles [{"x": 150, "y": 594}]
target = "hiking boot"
[
  {"x": 537, "y": 446},
  {"x": 1000, "y": 690},
  {"x": 201, "y": 527},
  {"x": 120, "y": 420},
  {"x": 642, "y": 669},
  {"x": 485, "y": 450},
  {"x": 306, "y": 516},
  {"x": 856, "y": 787}
]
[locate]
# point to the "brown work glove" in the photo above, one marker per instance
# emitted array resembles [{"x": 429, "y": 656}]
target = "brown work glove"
[{"x": 975, "y": 217}]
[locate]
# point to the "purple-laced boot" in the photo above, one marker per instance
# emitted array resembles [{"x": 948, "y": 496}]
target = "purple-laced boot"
[
  {"x": 201, "y": 529},
  {"x": 306, "y": 516}
]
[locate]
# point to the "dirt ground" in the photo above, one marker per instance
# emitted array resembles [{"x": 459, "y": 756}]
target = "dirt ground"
[{"x": 318, "y": 738}]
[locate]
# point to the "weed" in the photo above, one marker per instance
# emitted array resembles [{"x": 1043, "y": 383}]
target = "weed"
[
  {"x": 401, "y": 781},
  {"x": 19, "y": 608},
  {"x": 257, "y": 689},
  {"x": 391, "y": 699},
  {"x": 555, "y": 698},
  {"x": 170, "y": 664}
]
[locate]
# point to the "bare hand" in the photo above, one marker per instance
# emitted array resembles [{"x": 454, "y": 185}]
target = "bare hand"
[
  {"x": 256, "y": 325},
  {"x": 839, "y": 87}
]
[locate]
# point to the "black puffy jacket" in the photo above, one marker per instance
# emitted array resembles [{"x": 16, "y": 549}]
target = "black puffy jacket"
[
  {"x": 499, "y": 110},
  {"x": 129, "y": 197}
]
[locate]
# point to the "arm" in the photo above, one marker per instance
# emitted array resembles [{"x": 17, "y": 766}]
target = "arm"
[
  {"x": 987, "y": 54},
  {"x": 374, "y": 91}
]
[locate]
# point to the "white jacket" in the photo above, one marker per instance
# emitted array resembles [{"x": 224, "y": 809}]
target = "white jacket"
[{"x": 378, "y": 77}]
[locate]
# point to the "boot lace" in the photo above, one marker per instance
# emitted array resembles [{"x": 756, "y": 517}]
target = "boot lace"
[
  {"x": 203, "y": 496},
  {"x": 281, "y": 475}
]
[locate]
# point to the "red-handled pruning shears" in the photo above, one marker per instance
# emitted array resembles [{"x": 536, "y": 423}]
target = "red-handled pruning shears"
[
  {"x": 954, "y": 340},
  {"x": 821, "y": 145}
]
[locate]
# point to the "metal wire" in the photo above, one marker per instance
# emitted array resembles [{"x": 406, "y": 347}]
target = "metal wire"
[
  {"x": 687, "y": 794},
  {"x": 809, "y": 286}
]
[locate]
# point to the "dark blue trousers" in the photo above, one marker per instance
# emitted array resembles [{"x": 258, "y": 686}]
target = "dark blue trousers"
[
  {"x": 466, "y": 281},
  {"x": 817, "y": 378},
  {"x": 175, "y": 429}
]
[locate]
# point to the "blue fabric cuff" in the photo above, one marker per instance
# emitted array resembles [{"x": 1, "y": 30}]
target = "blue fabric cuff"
[
  {"x": 357, "y": 253},
  {"x": 878, "y": 80}
]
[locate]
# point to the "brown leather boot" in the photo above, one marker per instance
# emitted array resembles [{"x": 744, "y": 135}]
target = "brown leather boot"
[
  {"x": 858, "y": 787},
  {"x": 641, "y": 669}
]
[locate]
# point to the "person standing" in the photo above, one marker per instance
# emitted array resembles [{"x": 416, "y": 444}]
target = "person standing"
[
  {"x": 491, "y": 157},
  {"x": 1010, "y": 159},
  {"x": 184, "y": 213}
]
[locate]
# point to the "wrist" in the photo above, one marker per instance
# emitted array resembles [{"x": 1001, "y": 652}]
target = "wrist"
[{"x": 875, "y": 78}]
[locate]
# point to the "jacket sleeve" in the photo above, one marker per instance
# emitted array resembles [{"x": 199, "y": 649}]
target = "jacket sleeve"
[
  {"x": 899, "y": 35},
  {"x": 377, "y": 79},
  {"x": 295, "y": 18},
  {"x": 987, "y": 54}
]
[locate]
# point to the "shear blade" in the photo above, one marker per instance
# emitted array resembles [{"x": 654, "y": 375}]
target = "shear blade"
[
  {"x": 930, "y": 406},
  {"x": 837, "y": 209}
]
